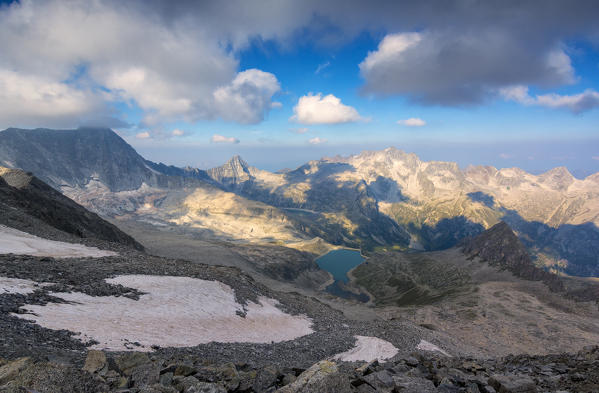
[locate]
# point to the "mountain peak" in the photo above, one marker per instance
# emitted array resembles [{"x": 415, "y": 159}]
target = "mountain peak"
[
  {"x": 232, "y": 174},
  {"x": 500, "y": 246},
  {"x": 73, "y": 158},
  {"x": 238, "y": 162},
  {"x": 557, "y": 178}
]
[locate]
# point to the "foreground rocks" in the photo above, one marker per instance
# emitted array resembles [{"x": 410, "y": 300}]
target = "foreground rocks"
[{"x": 140, "y": 372}]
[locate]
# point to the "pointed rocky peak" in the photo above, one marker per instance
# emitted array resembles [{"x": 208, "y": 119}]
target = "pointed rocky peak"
[
  {"x": 500, "y": 247},
  {"x": 232, "y": 174},
  {"x": 238, "y": 163}
]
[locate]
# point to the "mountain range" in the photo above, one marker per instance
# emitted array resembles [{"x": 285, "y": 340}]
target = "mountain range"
[
  {"x": 227, "y": 306},
  {"x": 375, "y": 200}
]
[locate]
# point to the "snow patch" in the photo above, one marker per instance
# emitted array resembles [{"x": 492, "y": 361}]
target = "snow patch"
[
  {"x": 17, "y": 285},
  {"x": 368, "y": 349},
  {"x": 174, "y": 312},
  {"x": 424, "y": 345},
  {"x": 13, "y": 241}
]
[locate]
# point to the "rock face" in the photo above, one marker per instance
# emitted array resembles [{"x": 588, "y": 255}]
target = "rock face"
[
  {"x": 76, "y": 158},
  {"x": 233, "y": 174},
  {"x": 26, "y": 202},
  {"x": 501, "y": 247}
]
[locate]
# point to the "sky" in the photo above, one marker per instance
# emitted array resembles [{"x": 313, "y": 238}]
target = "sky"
[{"x": 280, "y": 82}]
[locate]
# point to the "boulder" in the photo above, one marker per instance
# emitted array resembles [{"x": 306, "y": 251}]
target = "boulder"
[
  {"x": 512, "y": 384},
  {"x": 127, "y": 362},
  {"x": 95, "y": 362},
  {"x": 323, "y": 377}
]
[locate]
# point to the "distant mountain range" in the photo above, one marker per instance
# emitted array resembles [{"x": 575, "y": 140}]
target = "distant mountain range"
[{"x": 385, "y": 199}]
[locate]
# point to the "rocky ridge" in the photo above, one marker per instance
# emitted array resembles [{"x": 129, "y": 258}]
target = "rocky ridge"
[
  {"x": 502, "y": 248},
  {"x": 28, "y": 204}
]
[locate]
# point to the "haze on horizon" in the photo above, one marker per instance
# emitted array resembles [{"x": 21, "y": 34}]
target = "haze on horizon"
[{"x": 280, "y": 83}]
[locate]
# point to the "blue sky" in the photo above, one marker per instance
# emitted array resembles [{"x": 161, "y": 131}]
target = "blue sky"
[{"x": 293, "y": 81}]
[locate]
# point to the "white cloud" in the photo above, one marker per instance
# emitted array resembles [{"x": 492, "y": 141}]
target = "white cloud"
[
  {"x": 316, "y": 109},
  {"x": 216, "y": 138},
  {"x": 173, "y": 70},
  {"x": 322, "y": 67},
  {"x": 412, "y": 122},
  {"x": 317, "y": 141},
  {"x": 248, "y": 97},
  {"x": 178, "y": 132},
  {"x": 436, "y": 67},
  {"x": 576, "y": 103},
  {"x": 35, "y": 101},
  {"x": 143, "y": 135},
  {"x": 301, "y": 130}
]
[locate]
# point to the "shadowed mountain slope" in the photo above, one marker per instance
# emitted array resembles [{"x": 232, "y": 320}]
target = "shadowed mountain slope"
[
  {"x": 501, "y": 247},
  {"x": 76, "y": 158},
  {"x": 25, "y": 201}
]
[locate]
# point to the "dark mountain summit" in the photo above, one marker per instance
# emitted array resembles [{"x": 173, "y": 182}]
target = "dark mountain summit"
[{"x": 500, "y": 246}]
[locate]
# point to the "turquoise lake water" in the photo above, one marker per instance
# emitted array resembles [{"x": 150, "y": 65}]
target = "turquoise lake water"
[{"x": 339, "y": 263}]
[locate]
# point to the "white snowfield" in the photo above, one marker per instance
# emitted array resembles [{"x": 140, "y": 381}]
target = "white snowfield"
[
  {"x": 13, "y": 241},
  {"x": 368, "y": 349},
  {"x": 424, "y": 345},
  {"x": 174, "y": 312},
  {"x": 17, "y": 285}
]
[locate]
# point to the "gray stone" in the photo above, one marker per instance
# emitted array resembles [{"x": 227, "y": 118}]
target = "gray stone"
[
  {"x": 206, "y": 387},
  {"x": 406, "y": 384},
  {"x": 127, "y": 362},
  {"x": 166, "y": 379},
  {"x": 381, "y": 380},
  {"x": 512, "y": 384}
]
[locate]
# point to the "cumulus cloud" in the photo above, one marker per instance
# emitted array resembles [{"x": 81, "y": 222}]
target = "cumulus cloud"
[
  {"x": 576, "y": 103},
  {"x": 143, "y": 135},
  {"x": 412, "y": 122},
  {"x": 85, "y": 54},
  {"x": 316, "y": 109},
  {"x": 171, "y": 58},
  {"x": 456, "y": 69},
  {"x": 317, "y": 141},
  {"x": 178, "y": 132},
  {"x": 33, "y": 100},
  {"x": 248, "y": 97},
  {"x": 216, "y": 138}
]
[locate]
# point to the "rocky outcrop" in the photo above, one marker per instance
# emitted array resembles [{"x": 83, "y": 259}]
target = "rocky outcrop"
[
  {"x": 501, "y": 247},
  {"x": 26, "y": 201},
  {"x": 136, "y": 373}
]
